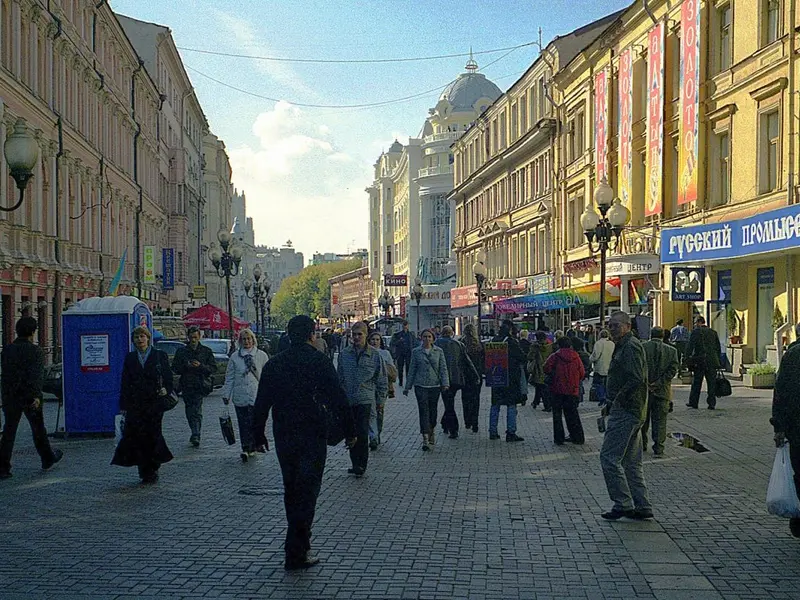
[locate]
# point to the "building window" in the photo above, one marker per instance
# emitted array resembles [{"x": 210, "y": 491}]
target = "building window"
[
  {"x": 720, "y": 192},
  {"x": 580, "y": 121},
  {"x": 523, "y": 114},
  {"x": 389, "y": 255},
  {"x": 771, "y": 22},
  {"x": 574, "y": 231},
  {"x": 532, "y": 254},
  {"x": 768, "y": 160},
  {"x": 724, "y": 20},
  {"x": 514, "y": 121},
  {"x": 571, "y": 154}
]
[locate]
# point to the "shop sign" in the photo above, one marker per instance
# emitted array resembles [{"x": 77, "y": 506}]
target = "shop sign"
[
  {"x": 643, "y": 264},
  {"x": 690, "y": 95},
  {"x": 402, "y": 306},
  {"x": 772, "y": 231},
  {"x": 580, "y": 265},
  {"x": 540, "y": 284},
  {"x": 461, "y": 297},
  {"x": 395, "y": 280},
  {"x": 625, "y": 165},
  {"x": 149, "y": 264},
  {"x": 496, "y": 363},
  {"x": 601, "y": 123},
  {"x": 688, "y": 284},
  {"x": 724, "y": 285},
  {"x": 582, "y": 295},
  {"x": 199, "y": 292},
  {"x": 655, "y": 121},
  {"x": 168, "y": 268}
]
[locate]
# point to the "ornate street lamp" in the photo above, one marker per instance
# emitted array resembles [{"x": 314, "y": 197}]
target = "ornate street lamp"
[
  {"x": 605, "y": 230},
  {"x": 260, "y": 290},
  {"x": 479, "y": 271},
  {"x": 386, "y": 302},
  {"x": 21, "y": 152},
  {"x": 416, "y": 293},
  {"x": 226, "y": 262}
]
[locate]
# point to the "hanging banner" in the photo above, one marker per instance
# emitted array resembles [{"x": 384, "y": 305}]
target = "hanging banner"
[
  {"x": 690, "y": 83},
  {"x": 601, "y": 124},
  {"x": 149, "y": 264},
  {"x": 655, "y": 121},
  {"x": 688, "y": 284},
  {"x": 168, "y": 268},
  {"x": 625, "y": 165},
  {"x": 496, "y": 364}
]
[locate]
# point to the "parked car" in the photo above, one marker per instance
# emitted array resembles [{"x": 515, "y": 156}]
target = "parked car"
[
  {"x": 52, "y": 381},
  {"x": 170, "y": 347},
  {"x": 221, "y": 349}
]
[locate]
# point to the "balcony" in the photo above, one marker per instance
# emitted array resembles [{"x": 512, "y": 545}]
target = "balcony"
[
  {"x": 440, "y": 170},
  {"x": 445, "y": 136}
]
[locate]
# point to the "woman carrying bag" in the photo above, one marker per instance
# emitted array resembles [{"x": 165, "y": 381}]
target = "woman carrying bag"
[
  {"x": 241, "y": 386},
  {"x": 428, "y": 375},
  {"x": 376, "y": 417},
  {"x": 145, "y": 394},
  {"x": 471, "y": 394}
]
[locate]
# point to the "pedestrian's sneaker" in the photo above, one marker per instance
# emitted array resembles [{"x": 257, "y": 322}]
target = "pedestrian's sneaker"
[
  {"x": 642, "y": 514},
  {"x": 306, "y": 562},
  {"x": 244, "y": 456},
  {"x": 494, "y": 436},
  {"x": 194, "y": 441},
  {"x": 57, "y": 456},
  {"x": 513, "y": 437},
  {"x": 616, "y": 514}
]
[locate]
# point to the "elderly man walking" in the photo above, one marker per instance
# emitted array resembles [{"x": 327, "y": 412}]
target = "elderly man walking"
[
  {"x": 662, "y": 365},
  {"x": 621, "y": 454},
  {"x": 461, "y": 371}
]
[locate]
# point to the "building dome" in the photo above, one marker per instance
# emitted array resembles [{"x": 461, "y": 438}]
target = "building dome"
[
  {"x": 396, "y": 147},
  {"x": 465, "y": 93}
]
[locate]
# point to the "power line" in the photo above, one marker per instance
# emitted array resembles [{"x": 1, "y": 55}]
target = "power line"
[{"x": 354, "y": 61}]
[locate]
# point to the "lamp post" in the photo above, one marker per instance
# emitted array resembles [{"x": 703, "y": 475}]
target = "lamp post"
[
  {"x": 605, "y": 230},
  {"x": 226, "y": 262},
  {"x": 416, "y": 292},
  {"x": 386, "y": 301},
  {"x": 479, "y": 271},
  {"x": 260, "y": 291},
  {"x": 21, "y": 152}
]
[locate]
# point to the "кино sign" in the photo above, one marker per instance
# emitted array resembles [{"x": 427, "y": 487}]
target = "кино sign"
[{"x": 395, "y": 280}]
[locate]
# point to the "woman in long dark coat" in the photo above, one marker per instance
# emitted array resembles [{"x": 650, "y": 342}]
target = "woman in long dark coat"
[{"x": 146, "y": 378}]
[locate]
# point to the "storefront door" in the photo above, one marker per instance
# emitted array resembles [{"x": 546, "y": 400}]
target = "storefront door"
[{"x": 764, "y": 308}]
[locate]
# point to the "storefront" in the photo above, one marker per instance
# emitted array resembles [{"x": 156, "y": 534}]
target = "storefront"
[
  {"x": 638, "y": 275},
  {"x": 741, "y": 275}
]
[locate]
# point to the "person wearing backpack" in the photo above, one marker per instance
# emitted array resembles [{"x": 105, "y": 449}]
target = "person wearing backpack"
[{"x": 565, "y": 371}]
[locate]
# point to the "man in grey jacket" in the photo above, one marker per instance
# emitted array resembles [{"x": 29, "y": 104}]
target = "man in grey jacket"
[
  {"x": 662, "y": 365},
  {"x": 460, "y": 370},
  {"x": 621, "y": 454}
]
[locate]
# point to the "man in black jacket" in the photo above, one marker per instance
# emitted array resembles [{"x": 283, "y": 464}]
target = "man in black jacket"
[
  {"x": 461, "y": 371},
  {"x": 401, "y": 345},
  {"x": 23, "y": 375},
  {"x": 786, "y": 415},
  {"x": 703, "y": 357},
  {"x": 300, "y": 386},
  {"x": 195, "y": 364}
]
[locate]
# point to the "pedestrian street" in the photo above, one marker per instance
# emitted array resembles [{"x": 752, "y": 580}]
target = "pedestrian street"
[{"x": 473, "y": 518}]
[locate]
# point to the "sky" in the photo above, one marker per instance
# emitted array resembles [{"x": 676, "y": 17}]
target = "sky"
[{"x": 304, "y": 169}]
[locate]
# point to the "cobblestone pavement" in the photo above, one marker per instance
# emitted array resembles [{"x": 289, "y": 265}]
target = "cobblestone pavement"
[{"x": 473, "y": 519}]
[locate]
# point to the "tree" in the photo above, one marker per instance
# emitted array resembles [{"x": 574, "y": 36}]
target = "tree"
[{"x": 308, "y": 292}]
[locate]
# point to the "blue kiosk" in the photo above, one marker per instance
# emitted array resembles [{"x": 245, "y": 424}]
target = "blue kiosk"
[{"x": 96, "y": 336}]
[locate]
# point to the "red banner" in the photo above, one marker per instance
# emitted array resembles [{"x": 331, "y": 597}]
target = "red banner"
[
  {"x": 625, "y": 166},
  {"x": 601, "y": 123},
  {"x": 690, "y": 82},
  {"x": 402, "y": 306},
  {"x": 655, "y": 121},
  {"x": 461, "y": 297}
]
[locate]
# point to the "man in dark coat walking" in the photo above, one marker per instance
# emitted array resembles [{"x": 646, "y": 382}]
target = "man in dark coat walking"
[
  {"x": 195, "y": 364},
  {"x": 300, "y": 386},
  {"x": 461, "y": 370},
  {"x": 703, "y": 357},
  {"x": 510, "y": 395},
  {"x": 23, "y": 375},
  {"x": 401, "y": 345}
]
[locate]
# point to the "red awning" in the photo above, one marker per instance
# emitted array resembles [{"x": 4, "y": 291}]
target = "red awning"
[{"x": 213, "y": 318}]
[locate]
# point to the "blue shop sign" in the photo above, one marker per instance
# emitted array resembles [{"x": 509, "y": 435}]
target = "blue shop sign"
[{"x": 768, "y": 232}]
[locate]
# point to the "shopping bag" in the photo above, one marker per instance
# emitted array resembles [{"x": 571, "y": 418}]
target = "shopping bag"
[
  {"x": 722, "y": 386},
  {"x": 226, "y": 424},
  {"x": 781, "y": 494},
  {"x": 119, "y": 428}
]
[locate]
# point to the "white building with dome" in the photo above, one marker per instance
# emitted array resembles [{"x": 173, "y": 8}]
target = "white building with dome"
[{"x": 411, "y": 218}]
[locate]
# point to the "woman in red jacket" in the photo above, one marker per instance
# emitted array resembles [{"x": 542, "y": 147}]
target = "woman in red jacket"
[{"x": 564, "y": 370}]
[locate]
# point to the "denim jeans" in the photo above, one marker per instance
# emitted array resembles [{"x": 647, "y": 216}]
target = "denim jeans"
[
  {"x": 428, "y": 404},
  {"x": 376, "y": 422},
  {"x": 621, "y": 459},
  {"x": 511, "y": 418},
  {"x": 194, "y": 413}
]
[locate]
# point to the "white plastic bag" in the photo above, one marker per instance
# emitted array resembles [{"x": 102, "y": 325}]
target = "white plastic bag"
[
  {"x": 781, "y": 494},
  {"x": 119, "y": 426}
]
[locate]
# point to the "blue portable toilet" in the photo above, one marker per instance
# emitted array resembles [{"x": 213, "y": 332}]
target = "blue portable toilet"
[{"x": 96, "y": 336}]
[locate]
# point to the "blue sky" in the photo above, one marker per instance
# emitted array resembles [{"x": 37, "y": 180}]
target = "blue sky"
[{"x": 304, "y": 170}]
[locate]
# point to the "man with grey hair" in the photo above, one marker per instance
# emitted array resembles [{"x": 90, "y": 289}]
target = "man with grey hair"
[
  {"x": 621, "y": 454},
  {"x": 195, "y": 364}
]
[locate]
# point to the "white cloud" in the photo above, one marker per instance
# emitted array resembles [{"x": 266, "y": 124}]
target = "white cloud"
[{"x": 300, "y": 185}]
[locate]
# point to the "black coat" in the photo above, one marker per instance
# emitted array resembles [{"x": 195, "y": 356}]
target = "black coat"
[
  {"x": 23, "y": 372},
  {"x": 193, "y": 379},
  {"x": 142, "y": 440},
  {"x": 511, "y": 395},
  {"x": 298, "y": 385}
]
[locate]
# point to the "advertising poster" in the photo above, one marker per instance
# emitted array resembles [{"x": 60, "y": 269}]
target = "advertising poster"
[
  {"x": 655, "y": 121},
  {"x": 690, "y": 82},
  {"x": 496, "y": 364},
  {"x": 688, "y": 284},
  {"x": 149, "y": 264},
  {"x": 168, "y": 268},
  {"x": 94, "y": 353},
  {"x": 601, "y": 123},
  {"x": 625, "y": 166}
]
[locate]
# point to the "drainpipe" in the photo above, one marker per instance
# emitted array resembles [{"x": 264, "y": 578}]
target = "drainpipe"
[
  {"x": 102, "y": 79},
  {"x": 140, "y": 208},
  {"x": 649, "y": 11},
  {"x": 791, "y": 298}
]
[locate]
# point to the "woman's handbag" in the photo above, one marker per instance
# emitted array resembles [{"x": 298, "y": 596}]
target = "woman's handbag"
[
  {"x": 781, "y": 494},
  {"x": 226, "y": 425},
  {"x": 168, "y": 400},
  {"x": 722, "y": 386}
]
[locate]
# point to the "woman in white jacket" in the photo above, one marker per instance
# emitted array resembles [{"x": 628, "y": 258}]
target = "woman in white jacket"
[{"x": 241, "y": 386}]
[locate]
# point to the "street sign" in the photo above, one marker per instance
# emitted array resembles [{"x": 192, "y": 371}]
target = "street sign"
[
  {"x": 507, "y": 292},
  {"x": 395, "y": 280},
  {"x": 199, "y": 292}
]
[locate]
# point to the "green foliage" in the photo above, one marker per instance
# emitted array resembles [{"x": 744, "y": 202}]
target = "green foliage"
[
  {"x": 308, "y": 292},
  {"x": 777, "y": 318},
  {"x": 761, "y": 369},
  {"x": 732, "y": 319}
]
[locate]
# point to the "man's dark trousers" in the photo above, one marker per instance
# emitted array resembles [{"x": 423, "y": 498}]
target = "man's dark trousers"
[
  {"x": 450, "y": 418},
  {"x": 302, "y": 461},
  {"x": 35, "y": 418},
  {"x": 710, "y": 375},
  {"x": 359, "y": 454},
  {"x": 403, "y": 364},
  {"x": 568, "y": 406}
]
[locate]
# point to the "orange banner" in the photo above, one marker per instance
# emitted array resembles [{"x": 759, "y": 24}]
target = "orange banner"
[
  {"x": 655, "y": 121},
  {"x": 601, "y": 123},
  {"x": 690, "y": 82}
]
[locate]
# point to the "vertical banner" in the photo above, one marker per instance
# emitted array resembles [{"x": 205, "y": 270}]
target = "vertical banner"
[
  {"x": 690, "y": 82},
  {"x": 149, "y": 261},
  {"x": 601, "y": 123},
  {"x": 496, "y": 365},
  {"x": 168, "y": 268},
  {"x": 655, "y": 121},
  {"x": 625, "y": 165}
]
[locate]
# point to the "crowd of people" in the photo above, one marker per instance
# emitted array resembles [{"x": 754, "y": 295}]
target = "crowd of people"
[{"x": 310, "y": 398}]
